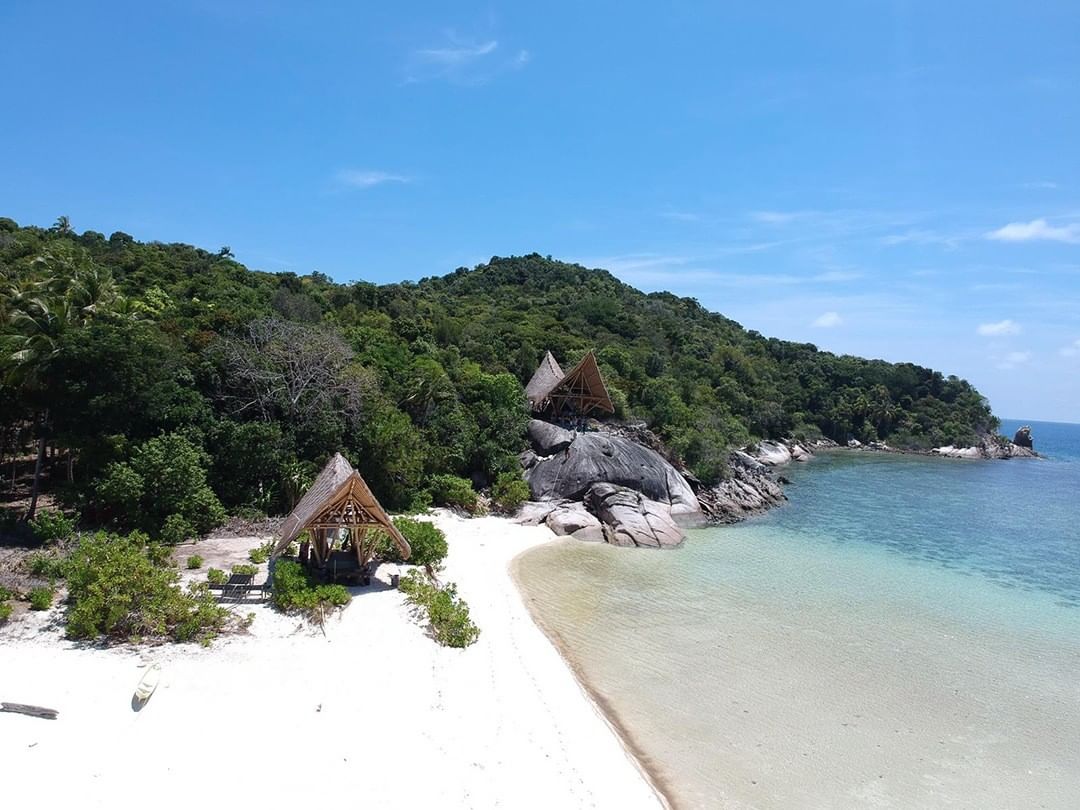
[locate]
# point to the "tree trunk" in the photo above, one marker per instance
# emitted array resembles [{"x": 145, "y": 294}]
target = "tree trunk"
[{"x": 36, "y": 486}]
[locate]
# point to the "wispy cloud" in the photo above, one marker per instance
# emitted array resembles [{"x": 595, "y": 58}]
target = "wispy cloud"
[
  {"x": 1013, "y": 360},
  {"x": 999, "y": 328},
  {"x": 827, "y": 320},
  {"x": 1072, "y": 350},
  {"x": 463, "y": 60},
  {"x": 922, "y": 237},
  {"x": 453, "y": 57},
  {"x": 681, "y": 216},
  {"x": 367, "y": 178},
  {"x": 1036, "y": 230},
  {"x": 1040, "y": 184},
  {"x": 779, "y": 217}
]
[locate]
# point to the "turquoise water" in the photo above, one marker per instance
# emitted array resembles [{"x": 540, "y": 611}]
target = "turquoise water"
[{"x": 905, "y": 632}]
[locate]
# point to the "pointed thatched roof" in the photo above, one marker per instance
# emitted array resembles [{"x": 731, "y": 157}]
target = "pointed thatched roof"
[
  {"x": 547, "y": 376},
  {"x": 339, "y": 498},
  {"x": 584, "y": 386}
]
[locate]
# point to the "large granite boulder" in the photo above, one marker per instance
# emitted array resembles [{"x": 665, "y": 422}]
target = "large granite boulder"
[
  {"x": 572, "y": 518},
  {"x": 1023, "y": 438},
  {"x": 628, "y": 518},
  {"x": 593, "y": 458}
]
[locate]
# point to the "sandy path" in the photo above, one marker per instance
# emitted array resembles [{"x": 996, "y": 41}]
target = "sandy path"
[{"x": 374, "y": 713}]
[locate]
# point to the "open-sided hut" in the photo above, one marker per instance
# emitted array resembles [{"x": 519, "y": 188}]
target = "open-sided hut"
[
  {"x": 577, "y": 393},
  {"x": 341, "y": 508}
]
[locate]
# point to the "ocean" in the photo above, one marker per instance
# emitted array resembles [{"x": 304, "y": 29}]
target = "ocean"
[{"x": 904, "y": 632}]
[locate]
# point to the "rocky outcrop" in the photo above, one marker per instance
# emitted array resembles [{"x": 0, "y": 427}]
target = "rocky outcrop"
[
  {"x": 584, "y": 459},
  {"x": 628, "y": 518},
  {"x": 1022, "y": 438},
  {"x": 750, "y": 488},
  {"x": 989, "y": 447},
  {"x": 775, "y": 454}
]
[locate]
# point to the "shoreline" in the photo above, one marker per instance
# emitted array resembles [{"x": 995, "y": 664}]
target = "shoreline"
[{"x": 634, "y": 751}]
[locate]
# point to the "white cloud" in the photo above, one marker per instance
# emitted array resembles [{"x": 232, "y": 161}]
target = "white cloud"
[
  {"x": 463, "y": 60},
  {"x": 1041, "y": 184},
  {"x": 363, "y": 178},
  {"x": 999, "y": 329},
  {"x": 1072, "y": 350},
  {"x": 1036, "y": 230},
  {"x": 1013, "y": 359},
  {"x": 456, "y": 56},
  {"x": 777, "y": 217},
  {"x": 828, "y": 320}
]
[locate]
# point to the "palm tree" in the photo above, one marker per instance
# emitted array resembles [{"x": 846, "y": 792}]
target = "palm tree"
[
  {"x": 69, "y": 293},
  {"x": 62, "y": 225}
]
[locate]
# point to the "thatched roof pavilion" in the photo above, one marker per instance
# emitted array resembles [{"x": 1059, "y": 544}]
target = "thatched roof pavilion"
[
  {"x": 580, "y": 391},
  {"x": 340, "y": 501}
]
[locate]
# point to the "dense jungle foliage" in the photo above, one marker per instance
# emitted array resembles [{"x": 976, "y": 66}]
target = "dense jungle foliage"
[{"x": 165, "y": 383}]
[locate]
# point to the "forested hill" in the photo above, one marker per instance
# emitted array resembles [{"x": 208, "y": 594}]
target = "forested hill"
[{"x": 110, "y": 344}]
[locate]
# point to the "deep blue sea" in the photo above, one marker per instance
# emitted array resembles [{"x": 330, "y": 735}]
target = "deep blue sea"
[{"x": 905, "y": 632}]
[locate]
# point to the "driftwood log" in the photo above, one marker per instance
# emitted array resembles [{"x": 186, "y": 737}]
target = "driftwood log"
[{"x": 33, "y": 711}]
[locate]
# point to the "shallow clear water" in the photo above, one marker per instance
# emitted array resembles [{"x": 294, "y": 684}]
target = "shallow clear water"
[{"x": 904, "y": 633}]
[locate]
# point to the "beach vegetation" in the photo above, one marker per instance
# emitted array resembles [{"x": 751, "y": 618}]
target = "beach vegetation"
[
  {"x": 117, "y": 591},
  {"x": 46, "y": 566},
  {"x": 261, "y": 554},
  {"x": 452, "y": 491},
  {"x": 41, "y": 597},
  {"x": 295, "y": 590},
  {"x": 194, "y": 562},
  {"x": 50, "y": 525},
  {"x": 176, "y": 529},
  {"x": 446, "y": 613},
  {"x": 509, "y": 492},
  {"x": 427, "y": 543},
  {"x": 245, "y": 569},
  {"x": 215, "y": 576}
]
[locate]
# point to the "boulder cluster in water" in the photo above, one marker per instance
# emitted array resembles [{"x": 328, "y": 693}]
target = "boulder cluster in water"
[{"x": 615, "y": 485}]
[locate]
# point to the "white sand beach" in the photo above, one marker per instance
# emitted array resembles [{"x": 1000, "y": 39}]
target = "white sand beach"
[{"x": 373, "y": 713}]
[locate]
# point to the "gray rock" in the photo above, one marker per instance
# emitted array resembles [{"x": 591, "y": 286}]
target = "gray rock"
[
  {"x": 533, "y": 513},
  {"x": 571, "y": 518},
  {"x": 548, "y": 439},
  {"x": 771, "y": 453},
  {"x": 631, "y": 519},
  {"x": 593, "y": 458},
  {"x": 1023, "y": 438}
]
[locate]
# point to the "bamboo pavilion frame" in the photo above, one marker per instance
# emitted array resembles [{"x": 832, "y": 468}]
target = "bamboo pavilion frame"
[
  {"x": 581, "y": 390},
  {"x": 340, "y": 506}
]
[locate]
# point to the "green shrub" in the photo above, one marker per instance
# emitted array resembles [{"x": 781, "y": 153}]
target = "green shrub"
[
  {"x": 261, "y": 554},
  {"x": 176, "y": 529},
  {"x": 245, "y": 568},
  {"x": 5, "y": 612},
  {"x": 165, "y": 476},
  {"x": 420, "y": 503},
  {"x": 5, "y": 594},
  {"x": 447, "y": 614},
  {"x": 457, "y": 493},
  {"x": 509, "y": 492},
  {"x": 46, "y": 566},
  {"x": 427, "y": 541},
  {"x": 41, "y": 598},
  {"x": 215, "y": 576},
  {"x": 117, "y": 591},
  {"x": 194, "y": 562},
  {"x": 50, "y": 526},
  {"x": 295, "y": 590}
]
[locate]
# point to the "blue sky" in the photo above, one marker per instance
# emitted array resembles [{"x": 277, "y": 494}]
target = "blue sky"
[{"x": 892, "y": 179}]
